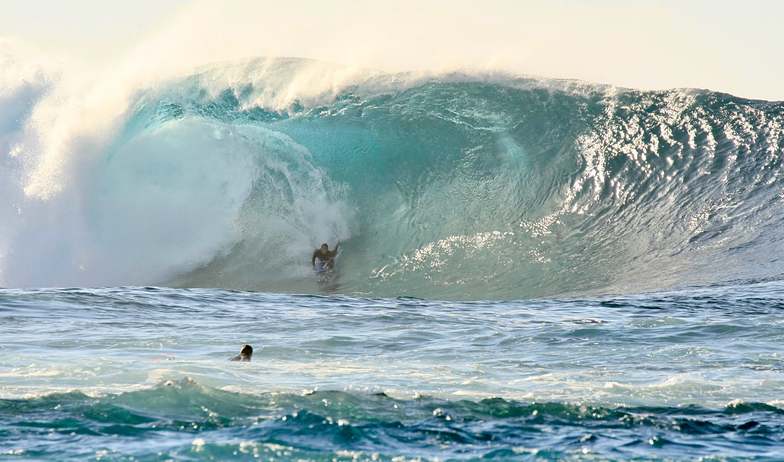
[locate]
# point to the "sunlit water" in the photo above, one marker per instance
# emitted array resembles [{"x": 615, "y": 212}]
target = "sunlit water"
[
  {"x": 462, "y": 186},
  {"x": 143, "y": 374}
]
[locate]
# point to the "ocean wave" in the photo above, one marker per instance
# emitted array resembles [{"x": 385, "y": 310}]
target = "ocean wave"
[
  {"x": 443, "y": 186},
  {"x": 184, "y": 419}
]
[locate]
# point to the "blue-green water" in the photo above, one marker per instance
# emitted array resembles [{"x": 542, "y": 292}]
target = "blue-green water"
[
  {"x": 143, "y": 374},
  {"x": 529, "y": 269},
  {"x": 445, "y": 187}
]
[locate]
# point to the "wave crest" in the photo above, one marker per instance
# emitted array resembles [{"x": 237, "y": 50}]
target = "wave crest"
[{"x": 455, "y": 186}]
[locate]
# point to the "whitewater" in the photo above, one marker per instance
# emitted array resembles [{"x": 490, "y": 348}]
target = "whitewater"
[{"x": 531, "y": 269}]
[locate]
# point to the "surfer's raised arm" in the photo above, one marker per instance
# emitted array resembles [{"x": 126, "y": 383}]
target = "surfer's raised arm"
[{"x": 337, "y": 246}]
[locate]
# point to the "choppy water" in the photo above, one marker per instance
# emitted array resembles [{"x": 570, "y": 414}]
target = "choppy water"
[
  {"x": 143, "y": 374},
  {"x": 447, "y": 187}
]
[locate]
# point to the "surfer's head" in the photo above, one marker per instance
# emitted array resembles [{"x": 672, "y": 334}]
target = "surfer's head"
[{"x": 324, "y": 247}]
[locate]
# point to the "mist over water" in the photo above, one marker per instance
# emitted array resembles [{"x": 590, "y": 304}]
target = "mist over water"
[
  {"x": 443, "y": 186},
  {"x": 530, "y": 269}
]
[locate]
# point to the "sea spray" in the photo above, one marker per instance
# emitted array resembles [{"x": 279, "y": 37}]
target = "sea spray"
[{"x": 450, "y": 186}]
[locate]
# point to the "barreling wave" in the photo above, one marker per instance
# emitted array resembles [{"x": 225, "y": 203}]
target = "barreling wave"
[{"x": 450, "y": 186}]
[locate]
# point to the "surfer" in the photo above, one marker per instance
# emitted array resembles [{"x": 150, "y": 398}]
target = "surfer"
[
  {"x": 324, "y": 257},
  {"x": 245, "y": 354}
]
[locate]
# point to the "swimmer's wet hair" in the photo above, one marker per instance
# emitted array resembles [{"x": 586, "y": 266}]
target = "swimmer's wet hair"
[{"x": 245, "y": 354}]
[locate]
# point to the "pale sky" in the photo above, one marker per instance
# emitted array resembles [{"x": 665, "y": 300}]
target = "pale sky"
[{"x": 729, "y": 46}]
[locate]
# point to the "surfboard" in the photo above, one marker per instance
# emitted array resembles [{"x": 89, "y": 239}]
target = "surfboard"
[
  {"x": 326, "y": 277},
  {"x": 320, "y": 267}
]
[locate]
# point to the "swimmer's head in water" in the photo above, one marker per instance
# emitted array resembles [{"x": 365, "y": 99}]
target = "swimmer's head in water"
[
  {"x": 246, "y": 350},
  {"x": 245, "y": 354}
]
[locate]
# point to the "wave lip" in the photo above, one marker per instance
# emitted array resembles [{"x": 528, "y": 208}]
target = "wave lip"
[{"x": 457, "y": 186}]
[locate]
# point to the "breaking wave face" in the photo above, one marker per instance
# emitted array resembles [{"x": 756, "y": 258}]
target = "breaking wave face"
[{"x": 445, "y": 186}]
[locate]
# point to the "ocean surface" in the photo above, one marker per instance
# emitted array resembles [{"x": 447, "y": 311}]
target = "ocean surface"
[
  {"x": 530, "y": 269},
  {"x": 143, "y": 374}
]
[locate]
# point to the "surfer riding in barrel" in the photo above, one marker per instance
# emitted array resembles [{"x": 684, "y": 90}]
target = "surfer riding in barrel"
[{"x": 324, "y": 259}]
